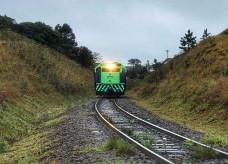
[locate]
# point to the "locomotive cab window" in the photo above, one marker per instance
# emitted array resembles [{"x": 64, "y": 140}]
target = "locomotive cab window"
[
  {"x": 115, "y": 70},
  {"x": 106, "y": 70}
]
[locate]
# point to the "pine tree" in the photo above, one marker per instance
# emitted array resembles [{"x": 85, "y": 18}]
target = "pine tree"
[
  {"x": 205, "y": 35},
  {"x": 188, "y": 41}
]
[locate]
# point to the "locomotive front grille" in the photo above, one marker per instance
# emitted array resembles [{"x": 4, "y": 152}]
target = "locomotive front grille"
[{"x": 100, "y": 87}]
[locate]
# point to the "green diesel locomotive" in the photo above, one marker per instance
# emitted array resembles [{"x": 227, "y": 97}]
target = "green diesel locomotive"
[{"x": 110, "y": 79}]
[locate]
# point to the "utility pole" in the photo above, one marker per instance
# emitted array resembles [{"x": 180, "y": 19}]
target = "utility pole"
[
  {"x": 147, "y": 65},
  {"x": 167, "y": 51}
]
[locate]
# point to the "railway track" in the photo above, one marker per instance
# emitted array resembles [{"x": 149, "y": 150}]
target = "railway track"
[{"x": 162, "y": 145}]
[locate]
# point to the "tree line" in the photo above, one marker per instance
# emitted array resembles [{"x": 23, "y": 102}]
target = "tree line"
[
  {"x": 60, "y": 38},
  {"x": 137, "y": 70}
]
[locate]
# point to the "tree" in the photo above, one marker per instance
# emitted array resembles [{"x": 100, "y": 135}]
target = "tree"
[
  {"x": 132, "y": 74},
  {"x": 205, "y": 34},
  {"x": 188, "y": 41},
  {"x": 85, "y": 57},
  {"x": 134, "y": 62},
  {"x": 60, "y": 38},
  {"x": 67, "y": 33},
  {"x": 156, "y": 64},
  {"x": 6, "y": 22},
  {"x": 41, "y": 33},
  {"x": 97, "y": 57}
]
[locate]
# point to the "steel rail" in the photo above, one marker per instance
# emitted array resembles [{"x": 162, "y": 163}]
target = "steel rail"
[
  {"x": 159, "y": 159},
  {"x": 219, "y": 153}
]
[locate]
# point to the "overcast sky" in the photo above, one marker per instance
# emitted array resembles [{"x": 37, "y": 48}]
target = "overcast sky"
[{"x": 124, "y": 29}]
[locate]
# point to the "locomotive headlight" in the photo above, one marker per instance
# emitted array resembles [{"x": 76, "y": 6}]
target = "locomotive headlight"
[{"x": 110, "y": 65}]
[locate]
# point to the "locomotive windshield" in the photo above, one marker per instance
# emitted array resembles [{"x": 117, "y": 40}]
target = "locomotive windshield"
[
  {"x": 115, "y": 70},
  {"x": 105, "y": 69}
]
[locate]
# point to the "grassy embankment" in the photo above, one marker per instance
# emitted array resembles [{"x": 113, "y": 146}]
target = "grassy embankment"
[
  {"x": 36, "y": 84},
  {"x": 192, "y": 89}
]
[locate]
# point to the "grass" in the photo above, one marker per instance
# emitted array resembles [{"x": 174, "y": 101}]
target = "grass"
[
  {"x": 84, "y": 106},
  {"x": 147, "y": 139},
  {"x": 188, "y": 143},
  {"x": 210, "y": 140},
  {"x": 133, "y": 121},
  {"x": 176, "y": 112},
  {"x": 88, "y": 149},
  {"x": 2, "y": 146},
  {"x": 203, "y": 153},
  {"x": 113, "y": 143},
  {"x": 32, "y": 148},
  {"x": 194, "y": 94},
  {"x": 148, "y": 144},
  {"x": 28, "y": 150},
  {"x": 119, "y": 145},
  {"x": 36, "y": 85}
]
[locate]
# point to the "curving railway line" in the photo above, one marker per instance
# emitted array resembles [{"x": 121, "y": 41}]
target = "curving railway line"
[{"x": 162, "y": 145}]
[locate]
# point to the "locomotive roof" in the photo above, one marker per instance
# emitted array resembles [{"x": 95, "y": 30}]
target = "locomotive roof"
[
  {"x": 116, "y": 64},
  {"x": 104, "y": 64}
]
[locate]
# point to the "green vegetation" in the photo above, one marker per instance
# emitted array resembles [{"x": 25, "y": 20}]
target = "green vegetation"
[
  {"x": 133, "y": 121},
  {"x": 147, "y": 139},
  {"x": 2, "y": 146},
  {"x": 119, "y": 145},
  {"x": 61, "y": 38},
  {"x": 188, "y": 41},
  {"x": 88, "y": 149},
  {"x": 135, "y": 136},
  {"x": 32, "y": 148},
  {"x": 205, "y": 34},
  {"x": 191, "y": 89},
  {"x": 188, "y": 143},
  {"x": 148, "y": 144},
  {"x": 37, "y": 84},
  {"x": 202, "y": 152},
  {"x": 84, "y": 106},
  {"x": 214, "y": 141}
]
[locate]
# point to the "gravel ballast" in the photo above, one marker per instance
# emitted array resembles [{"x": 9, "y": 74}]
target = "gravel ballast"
[
  {"x": 129, "y": 106},
  {"x": 82, "y": 129}
]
